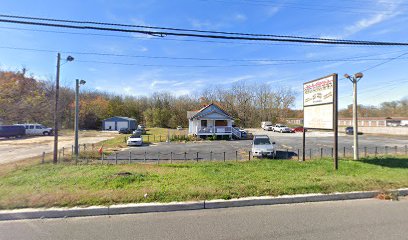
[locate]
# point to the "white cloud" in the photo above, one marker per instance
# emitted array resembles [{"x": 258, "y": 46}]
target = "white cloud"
[
  {"x": 389, "y": 9},
  {"x": 128, "y": 90},
  {"x": 240, "y": 17},
  {"x": 271, "y": 11}
]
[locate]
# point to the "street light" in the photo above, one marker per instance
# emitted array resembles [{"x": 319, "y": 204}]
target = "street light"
[
  {"x": 56, "y": 116},
  {"x": 355, "y": 80},
  {"x": 78, "y": 82}
]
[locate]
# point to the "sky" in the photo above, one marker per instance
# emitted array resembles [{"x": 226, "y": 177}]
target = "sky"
[{"x": 153, "y": 63}]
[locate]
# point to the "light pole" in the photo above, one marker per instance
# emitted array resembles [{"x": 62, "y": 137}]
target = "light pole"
[
  {"x": 354, "y": 79},
  {"x": 78, "y": 82},
  {"x": 56, "y": 115}
]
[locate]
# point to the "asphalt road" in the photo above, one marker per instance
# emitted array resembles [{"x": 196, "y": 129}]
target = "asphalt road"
[
  {"x": 288, "y": 145},
  {"x": 358, "y": 219}
]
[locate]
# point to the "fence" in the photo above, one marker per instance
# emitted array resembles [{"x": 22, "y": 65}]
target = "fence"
[{"x": 89, "y": 153}]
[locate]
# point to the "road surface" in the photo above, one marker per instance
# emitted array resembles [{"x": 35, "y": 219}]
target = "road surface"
[
  {"x": 358, "y": 219},
  {"x": 291, "y": 142}
]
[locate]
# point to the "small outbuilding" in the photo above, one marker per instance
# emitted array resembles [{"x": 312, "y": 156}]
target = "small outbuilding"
[{"x": 116, "y": 123}]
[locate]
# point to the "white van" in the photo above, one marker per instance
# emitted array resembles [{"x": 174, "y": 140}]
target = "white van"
[
  {"x": 267, "y": 126},
  {"x": 36, "y": 129}
]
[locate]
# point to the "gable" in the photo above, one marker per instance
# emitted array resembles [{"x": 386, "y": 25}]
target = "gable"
[{"x": 212, "y": 112}]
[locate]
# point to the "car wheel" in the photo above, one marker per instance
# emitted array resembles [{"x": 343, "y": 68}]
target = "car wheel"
[
  {"x": 46, "y": 133},
  {"x": 281, "y": 131}
]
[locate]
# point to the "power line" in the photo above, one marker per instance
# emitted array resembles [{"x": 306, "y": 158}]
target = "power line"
[
  {"x": 262, "y": 62},
  {"x": 181, "y": 34},
  {"x": 166, "y": 28}
]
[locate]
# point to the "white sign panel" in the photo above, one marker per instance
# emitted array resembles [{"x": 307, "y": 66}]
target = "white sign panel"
[
  {"x": 318, "y": 103},
  {"x": 319, "y": 91},
  {"x": 320, "y": 116}
]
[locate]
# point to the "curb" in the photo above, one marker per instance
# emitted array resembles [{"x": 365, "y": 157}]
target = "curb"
[{"x": 40, "y": 213}]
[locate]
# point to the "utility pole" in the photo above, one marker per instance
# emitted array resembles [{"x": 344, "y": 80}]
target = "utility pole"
[
  {"x": 76, "y": 150},
  {"x": 354, "y": 79},
  {"x": 55, "y": 156},
  {"x": 56, "y": 113}
]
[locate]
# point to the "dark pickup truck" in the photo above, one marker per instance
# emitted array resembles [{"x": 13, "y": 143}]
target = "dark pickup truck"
[{"x": 12, "y": 131}]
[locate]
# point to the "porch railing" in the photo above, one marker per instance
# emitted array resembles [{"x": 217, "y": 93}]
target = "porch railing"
[{"x": 214, "y": 129}]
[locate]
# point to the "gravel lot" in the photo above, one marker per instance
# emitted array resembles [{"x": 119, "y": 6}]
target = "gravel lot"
[
  {"x": 287, "y": 145},
  {"x": 12, "y": 150}
]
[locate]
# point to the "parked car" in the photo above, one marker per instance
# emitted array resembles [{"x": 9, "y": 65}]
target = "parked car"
[
  {"x": 281, "y": 128},
  {"x": 125, "y": 131},
  {"x": 179, "y": 128},
  {"x": 141, "y": 126},
  {"x": 267, "y": 126},
  {"x": 36, "y": 129},
  {"x": 263, "y": 147},
  {"x": 350, "y": 131},
  {"x": 138, "y": 131},
  {"x": 135, "y": 140},
  {"x": 298, "y": 129},
  {"x": 244, "y": 133},
  {"x": 12, "y": 131}
]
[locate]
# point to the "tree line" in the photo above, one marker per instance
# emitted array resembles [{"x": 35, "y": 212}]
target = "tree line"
[{"x": 26, "y": 99}]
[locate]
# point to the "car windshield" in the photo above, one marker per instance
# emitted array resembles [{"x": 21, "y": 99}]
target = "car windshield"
[{"x": 261, "y": 141}]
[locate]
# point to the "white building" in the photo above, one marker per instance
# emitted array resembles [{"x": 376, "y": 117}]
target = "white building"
[{"x": 211, "y": 120}]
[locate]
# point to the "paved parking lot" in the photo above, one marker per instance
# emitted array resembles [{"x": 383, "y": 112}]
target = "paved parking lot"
[{"x": 288, "y": 145}]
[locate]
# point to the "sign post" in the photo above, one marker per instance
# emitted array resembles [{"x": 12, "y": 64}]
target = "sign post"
[{"x": 320, "y": 108}]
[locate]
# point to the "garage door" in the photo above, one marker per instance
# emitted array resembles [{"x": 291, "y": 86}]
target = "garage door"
[
  {"x": 109, "y": 125},
  {"x": 122, "y": 125}
]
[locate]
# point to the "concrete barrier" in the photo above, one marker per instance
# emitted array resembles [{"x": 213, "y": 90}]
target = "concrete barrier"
[{"x": 402, "y": 131}]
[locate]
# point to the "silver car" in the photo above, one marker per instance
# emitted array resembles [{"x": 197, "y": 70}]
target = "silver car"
[
  {"x": 263, "y": 147},
  {"x": 135, "y": 140}
]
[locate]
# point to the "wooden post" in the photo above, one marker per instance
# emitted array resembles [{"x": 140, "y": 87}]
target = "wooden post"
[
  {"x": 298, "y": 153},
  {"x": 224, "y": 156},
  {"x": 158, "y": 158},
  {"x": 130, "y": 157},
  {"x": 310, "y": 153},
  {"x": 171, "y": 157},
  {"x": 197, "y": 157},
  {"x": 116, "y": 158},
  {"x": 63, "y": 152},
  {"x": 185, "y": 156},
  {"x": 344, "y": 152},
  {"x": 249, "y": 155},
  {"x": 145, "y": 156},
  {"x": 211, "y": 156},
  {"x": 85, "y": 147},
  {"x": 304, "y": 145},
  {"x": 160, "y": 138},
  {"x": 148, "y": 138},
  {"x": 321, "y": 153},
  {"x": 236, "y": 156}
]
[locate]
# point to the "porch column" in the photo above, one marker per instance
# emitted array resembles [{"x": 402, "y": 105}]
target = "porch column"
[{"x": 214, "y": 126}]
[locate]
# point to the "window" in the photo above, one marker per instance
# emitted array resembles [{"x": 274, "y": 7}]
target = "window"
[
  {"x": 38, "y": 127},
  {"x": 221, "y": 123},
  {"x": 31, "y": 126},
  {"x": 203, "y": 123},
  {"x": 262, "y": 141}
]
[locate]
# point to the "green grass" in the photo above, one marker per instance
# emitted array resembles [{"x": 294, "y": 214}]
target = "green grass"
[
  {"x": 70, "y": 185},
  {"x": 160, "y": 134}
]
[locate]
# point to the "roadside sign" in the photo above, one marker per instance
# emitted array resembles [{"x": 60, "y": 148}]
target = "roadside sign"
[
  {"x": 318, "y": 103},
  {"x": 320, "y": 109}
]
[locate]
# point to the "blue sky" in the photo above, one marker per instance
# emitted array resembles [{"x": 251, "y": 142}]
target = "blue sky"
[{"x": 379, "y": 20}]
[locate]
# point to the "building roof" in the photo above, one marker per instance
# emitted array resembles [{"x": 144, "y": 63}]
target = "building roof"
[
  {"x": 119, "y": 117},
  {"x": 193, "y": 114}
]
